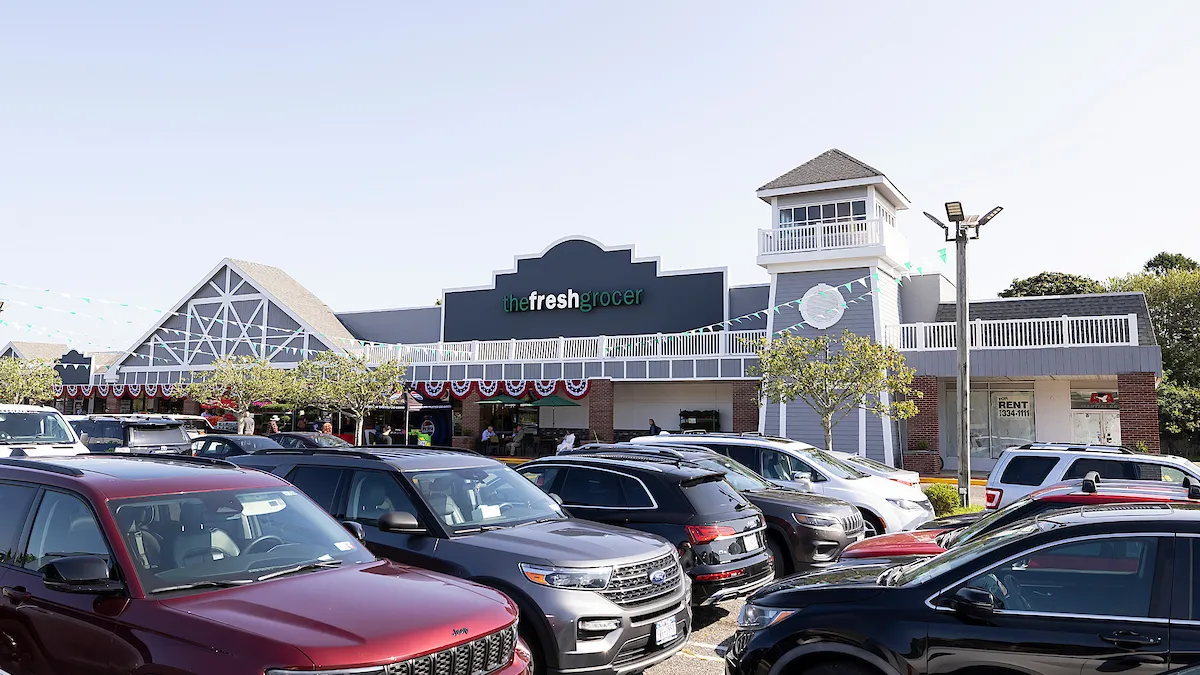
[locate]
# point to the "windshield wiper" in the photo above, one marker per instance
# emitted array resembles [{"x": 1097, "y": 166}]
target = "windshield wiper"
[
  {"x": 742, "y": 507},
  {"x": 203, "y": 584},
  {"x": 535, "y": 522},
  {"x": 482, "y": 528},
  {"x": 315, "y": 565}
]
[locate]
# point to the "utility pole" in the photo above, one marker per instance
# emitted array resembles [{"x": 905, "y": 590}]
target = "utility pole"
[{"x": 965, "y": 229}]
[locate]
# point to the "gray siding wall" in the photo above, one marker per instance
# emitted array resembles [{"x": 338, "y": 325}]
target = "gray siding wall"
[
  {"x": 858, "y": 318},
  {"x": 419, "y": 325},
  {"x": 889, "y": 301},
  {"x": 921, "y": 295},
  {"x": 1042, "y": 362}
]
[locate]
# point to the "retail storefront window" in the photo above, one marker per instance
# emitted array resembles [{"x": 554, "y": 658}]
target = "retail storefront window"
[
  {"x": 1000, "y": 418},
  {"x": 1096, "y": 416}
]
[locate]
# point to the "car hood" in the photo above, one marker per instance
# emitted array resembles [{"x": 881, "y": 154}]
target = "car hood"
[
  {"x": 805, "y": 502},
  {"x": 831, "y": 584},
  {"x": 569, "y": 542},
  {"x": 888, "y": 489},
  {"x": 917, "y": 542},
  {"x": 358, "y": 615}
]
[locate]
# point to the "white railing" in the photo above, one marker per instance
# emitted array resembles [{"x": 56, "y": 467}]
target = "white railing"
[
  {"x": 821, "y": 237},
  {"x": 722, "y": 343},
  {"x": 1065, "y": 331}
]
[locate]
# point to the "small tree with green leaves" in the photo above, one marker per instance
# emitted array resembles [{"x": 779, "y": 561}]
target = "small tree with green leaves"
[
  {"x": 349, "y": 384},
  {"x": 1051, "y": 283},
  {"x": 237, "y": 383},
  {"x": 836, "y": 376},
  {"x": 30, "y": 382}
]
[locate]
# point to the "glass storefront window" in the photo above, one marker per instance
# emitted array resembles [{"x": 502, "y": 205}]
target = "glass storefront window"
[{"x": 1000, "y": 419}]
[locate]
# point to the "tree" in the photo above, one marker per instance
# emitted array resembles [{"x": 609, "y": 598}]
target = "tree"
[
  {"x": 1173, "y": 298},
  {"x": 237, "y": 383},
  {"x": 347, "y": 383},
  {"x": 23, "y": 381},
  {"x": 1051, "y": 283},
  {"x": 1165, "y": 262},
  {"x": 835, "y": 376}
]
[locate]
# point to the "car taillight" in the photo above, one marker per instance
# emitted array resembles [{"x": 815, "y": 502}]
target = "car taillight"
[
  {"x": 720, "y": 576},
  {"x": 703, "y": 534},
  {"x": 993, "y": 498}
]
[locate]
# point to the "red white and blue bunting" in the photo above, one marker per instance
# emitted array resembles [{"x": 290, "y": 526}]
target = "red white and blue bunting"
[
  {"x": 544, "y": 388},
  {"x": 516, "y": 388},
  {"x": 487, "y": 388},
  {"x": 461, "y": 389}
]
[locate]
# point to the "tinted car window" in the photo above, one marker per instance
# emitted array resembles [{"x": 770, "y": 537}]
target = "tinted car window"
[
  {"x": 256, "y": 443},
  {"x": 318, "y": 482},
  {"x": 1114, "y": 469},
  {"x": 216, "y": 448},
  {"x": 590, "y": 487},
  {"x": 541, "y": 476},
  {"x": 1027, "y": 470},
  {"x": 102, "y": 436},
  {"x": 743, "y": 454},
  {"x": 714, "y": 497},
  {"x": 374, "y": 493},
  {"x": 16, "y": 500},
  {"x": 1104, "y": 577},
  {"x": 64, "y": 526}
]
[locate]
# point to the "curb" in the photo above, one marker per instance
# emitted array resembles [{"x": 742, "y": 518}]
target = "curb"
[{"x": 977, "y": 482}]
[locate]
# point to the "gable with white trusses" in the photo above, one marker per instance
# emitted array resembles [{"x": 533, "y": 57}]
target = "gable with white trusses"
[{"x": 239, "y": 309}]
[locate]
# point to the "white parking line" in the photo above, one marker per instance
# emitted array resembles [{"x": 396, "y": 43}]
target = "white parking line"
[
  {"x": 702, "y": 657},
  {"x": 703, "y": 644}
]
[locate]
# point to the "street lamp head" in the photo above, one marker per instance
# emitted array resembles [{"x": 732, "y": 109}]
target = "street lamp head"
[
  {"x": 954, "y": 212},
  {"x": 989, "y": 215},
  {"x": 935, "y": 220}
]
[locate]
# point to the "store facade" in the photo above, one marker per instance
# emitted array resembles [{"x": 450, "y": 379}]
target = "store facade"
[{"x": 590, "y": 339}]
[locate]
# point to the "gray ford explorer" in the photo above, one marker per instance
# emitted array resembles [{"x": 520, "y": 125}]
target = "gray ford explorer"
[{"x": 595, "y": 599}]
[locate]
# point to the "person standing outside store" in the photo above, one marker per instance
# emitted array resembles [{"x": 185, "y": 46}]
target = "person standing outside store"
[
  {"x": 246, "y": 424},
  {"x": 654, "y": 428},
  {"x": 327, "y": 429},
  {"x": 272, "y": 426}
]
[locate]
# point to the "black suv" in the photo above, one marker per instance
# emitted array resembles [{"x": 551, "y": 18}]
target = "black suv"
[
  {"x": 719, "y": 533},
  {"x": 1112, "y": 588},
  {"x": 594, "y": 599},
  {"x": 148, "y": 434},
  {"x": 804, "y": 530}
]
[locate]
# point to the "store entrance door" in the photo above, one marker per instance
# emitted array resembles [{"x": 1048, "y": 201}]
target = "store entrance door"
[{"x": 1094, "y": 426}]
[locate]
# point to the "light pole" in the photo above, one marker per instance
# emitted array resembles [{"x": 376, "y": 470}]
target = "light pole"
[{"x": 965, "y": 228}]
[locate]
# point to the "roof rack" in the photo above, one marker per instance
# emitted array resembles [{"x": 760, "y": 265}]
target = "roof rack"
[
  {"x": 410, "y": 446},
  {"x": 1074, "y": 447},
  {"x": 317, "y": 451},
  {"x": 618, "y": 453},
  {"x": 210, "y": 461},
  {"x": 40, "y": 466}
]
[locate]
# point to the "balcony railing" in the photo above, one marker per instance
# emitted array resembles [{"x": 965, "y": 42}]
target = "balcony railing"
[
  {"x": 823, "y": 236},
  {"x": 721, "y": 343},
  {"x": 1066, "y": 331}
]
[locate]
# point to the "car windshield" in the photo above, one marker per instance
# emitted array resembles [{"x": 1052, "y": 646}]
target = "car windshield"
[
  {"x": 983, "y": 525},
  {"x": 919, "y": 572},
  {"x": 467, "y": 500},
  {"x": 157, "y": 435},
  {"x": 254, "y": 443},
  {"x": 327, "y": 441},
  {"x": 35, "y": 426},
  {"x": 228, "y": 537},
  {"x": 196, "y": 425},
  {"x": 831, "y": 464},
  {"x": 737, "y": 474}
]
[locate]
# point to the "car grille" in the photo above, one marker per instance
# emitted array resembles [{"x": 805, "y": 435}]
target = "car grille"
[
  {"x": 631, "y": 584},
  {"x": 853, "y": 523},
  {"x": 477, "y": 657},
  {"x": 639, "y": 648}
]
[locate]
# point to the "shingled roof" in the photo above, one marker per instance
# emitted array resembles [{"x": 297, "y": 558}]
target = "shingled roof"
[
  {"x": 298, "y": 299},
  {"x": 37, "y": 351},
  {"x": 829, "y": 166}
]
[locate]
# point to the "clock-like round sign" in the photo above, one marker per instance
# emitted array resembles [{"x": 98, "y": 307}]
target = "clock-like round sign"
[{"x": 821, "y": 307}]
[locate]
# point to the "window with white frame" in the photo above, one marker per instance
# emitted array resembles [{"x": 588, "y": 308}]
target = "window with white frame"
[
  {"x": 834, "y": 212},
  {"x": 885, "y": 214}
]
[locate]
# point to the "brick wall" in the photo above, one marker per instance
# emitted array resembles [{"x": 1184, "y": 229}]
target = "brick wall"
[
  {"x": 470, "y": 422},
  {"x": 600, "y": 409},
  {"x": 745, "y": 406},
  {"x": 924, "y": 425},
  {"x": 927, "y": 463},
  {"x": 191, "y": 407},
  {"x": 112, "y": 404},
  {"x": 1139, "y": 409}
]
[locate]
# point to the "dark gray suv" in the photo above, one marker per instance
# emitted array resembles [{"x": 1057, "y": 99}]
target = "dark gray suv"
[{"x": 595, "y": 599}]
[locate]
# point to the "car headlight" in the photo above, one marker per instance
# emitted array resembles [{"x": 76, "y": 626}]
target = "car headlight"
[
  {"x": 906, "y": 504},
  {"x": 754, "y": 617},
  {"x": 582, "y": 578},
  {"x": 815, "y": 521}
]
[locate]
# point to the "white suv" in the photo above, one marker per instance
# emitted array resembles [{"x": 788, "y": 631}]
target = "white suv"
[
  {"x": 886, "y": 505},
  {"x": 1032, "y": 466},
  {"x": 36, "y": 431}
]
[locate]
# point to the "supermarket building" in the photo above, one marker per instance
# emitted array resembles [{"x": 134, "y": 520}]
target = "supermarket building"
[{"x": 615, "y": 336}]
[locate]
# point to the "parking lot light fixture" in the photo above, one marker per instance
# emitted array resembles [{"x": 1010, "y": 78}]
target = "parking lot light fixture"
[{"x": 954, "y": 212}]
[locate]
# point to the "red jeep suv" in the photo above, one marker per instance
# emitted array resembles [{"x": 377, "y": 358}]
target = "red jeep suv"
[
  {"x": 153, "y": 564},
  {"x": 1063, "y": 495}
]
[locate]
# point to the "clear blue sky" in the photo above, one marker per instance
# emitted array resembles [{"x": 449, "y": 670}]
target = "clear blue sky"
[{"x": 381, "y": 151}]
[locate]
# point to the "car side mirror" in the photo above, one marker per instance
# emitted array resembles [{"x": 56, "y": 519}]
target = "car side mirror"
[
  {"x": 558, "y": 500},
  {"x": 84, "y": 438},
  {"x": 804, "y": 479},
  {"x": 80, "y": 574},
  {"x": 400, "y": 522},
  {"x": 973, "y": 603},
  {"x": 355, "y": 529}
]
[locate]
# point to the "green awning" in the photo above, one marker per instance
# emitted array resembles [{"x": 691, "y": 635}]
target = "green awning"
[
  {"x": 552, "y": 401},
  {"x": 502, "y": 399}
]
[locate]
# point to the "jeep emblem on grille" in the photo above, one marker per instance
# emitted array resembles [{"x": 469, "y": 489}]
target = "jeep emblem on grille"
[
  {"x": 658, "y": 576},
  {"x": 459, "y": 631}
]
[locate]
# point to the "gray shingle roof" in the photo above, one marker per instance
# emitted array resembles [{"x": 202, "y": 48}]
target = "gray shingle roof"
[
  {"x": 831, "y": 165},
  {"x": 39, "y": 351},
  {"x": 298, "y": 299},
  {"x": 102, "y": 361},
  {"x": 1091, "y": 304}
]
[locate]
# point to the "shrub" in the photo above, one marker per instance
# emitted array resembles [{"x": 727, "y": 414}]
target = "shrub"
[
  {"x": 943, "y": 497},
  {"x": 1141, "y": 446},
  {"x": 921, "y": 446}
]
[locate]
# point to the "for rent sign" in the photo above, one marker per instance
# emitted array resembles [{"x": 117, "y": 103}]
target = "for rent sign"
[
  {"x": 586, "y": 301},
  {"x": 1014, "y": 406}
]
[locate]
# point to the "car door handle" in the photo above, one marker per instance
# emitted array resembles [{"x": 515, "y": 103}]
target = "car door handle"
[
  {"x": 17, "y": 594},
  {"x": 1129, "y": 638}
]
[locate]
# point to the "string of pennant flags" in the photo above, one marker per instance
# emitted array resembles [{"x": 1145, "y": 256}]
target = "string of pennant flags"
[{"x": 869, "y": 282}]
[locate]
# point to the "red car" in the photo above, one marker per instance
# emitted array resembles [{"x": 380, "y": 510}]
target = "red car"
[
  {"x": 1063, "y": 495},
  {"x": 174, "y": 564}
]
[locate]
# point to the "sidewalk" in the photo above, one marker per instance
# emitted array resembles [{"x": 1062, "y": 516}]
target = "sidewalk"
[{"x": 978, "y": 478}]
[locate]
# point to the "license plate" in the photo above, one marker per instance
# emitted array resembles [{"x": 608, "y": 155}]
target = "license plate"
[
  {"x": 664, "y": 631},
  {"x": 750, "y": 542}
]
